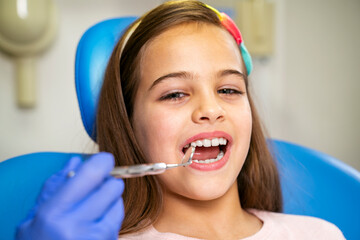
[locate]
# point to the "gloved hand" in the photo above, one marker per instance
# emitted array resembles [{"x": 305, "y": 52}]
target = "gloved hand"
[{"x": 86, "y": 206}]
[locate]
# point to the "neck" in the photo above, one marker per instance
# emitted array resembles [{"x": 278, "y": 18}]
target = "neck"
[{"x": 221, "y": 218}]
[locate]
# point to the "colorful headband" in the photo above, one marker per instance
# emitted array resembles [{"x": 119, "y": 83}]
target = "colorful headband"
[{"x": 229, "y": 24}]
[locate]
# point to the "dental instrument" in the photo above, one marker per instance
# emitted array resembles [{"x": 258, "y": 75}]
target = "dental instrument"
[{"x": 151, "y": 168}]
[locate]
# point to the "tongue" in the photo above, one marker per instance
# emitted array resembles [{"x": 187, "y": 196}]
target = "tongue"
[{"x": 203, "y": 153}]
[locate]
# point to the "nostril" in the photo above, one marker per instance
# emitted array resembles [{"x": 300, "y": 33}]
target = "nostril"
[{"x": 211, "y": 116}]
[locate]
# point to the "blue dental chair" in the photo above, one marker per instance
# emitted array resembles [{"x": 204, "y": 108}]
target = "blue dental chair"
[{"x": 313, "y": 183}]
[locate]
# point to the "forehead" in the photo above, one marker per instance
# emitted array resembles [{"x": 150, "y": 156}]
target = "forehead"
[{"x": 184, "y": 44}]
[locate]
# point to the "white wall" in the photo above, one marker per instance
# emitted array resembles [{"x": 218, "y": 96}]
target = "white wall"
[
  {"x": 306, "y": 92},
  {"x": 55, "y": 124},
  {"x": 321, "y": 76}
]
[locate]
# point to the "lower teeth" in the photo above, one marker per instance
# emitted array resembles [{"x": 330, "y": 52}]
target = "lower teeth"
[{"x": 219, "y": 156}]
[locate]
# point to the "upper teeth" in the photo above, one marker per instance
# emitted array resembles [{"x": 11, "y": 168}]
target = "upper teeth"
[{"x": 208, "y": 142}]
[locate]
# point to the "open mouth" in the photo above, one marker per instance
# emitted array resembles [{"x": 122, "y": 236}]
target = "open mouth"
[{"x": 208, "y": 150}]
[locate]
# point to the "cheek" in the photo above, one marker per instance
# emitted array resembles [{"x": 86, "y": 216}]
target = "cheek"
[
  {"x": 242, "y": 122},
  {"x": 157, "y": 131},
  {"x": 247, "y": 120},
  {"x": 246, "y": 128},
  {"x": 241, "y": 118}
]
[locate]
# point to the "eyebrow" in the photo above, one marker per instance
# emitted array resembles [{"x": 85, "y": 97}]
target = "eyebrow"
[
  {"x": 227, "y": 72},
  {"x": 181, "y": 74},
  {"x": 184, "y": 75}
]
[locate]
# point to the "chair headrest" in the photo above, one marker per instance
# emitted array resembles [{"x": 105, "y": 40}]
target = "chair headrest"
[{"x": 92, "y": 55}]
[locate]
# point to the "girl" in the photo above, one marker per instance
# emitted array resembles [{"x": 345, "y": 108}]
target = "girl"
[{"x": 179, "y": 77}]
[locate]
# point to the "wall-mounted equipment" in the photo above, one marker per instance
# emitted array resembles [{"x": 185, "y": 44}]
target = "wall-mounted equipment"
[
  {"x": 255, "y": 19},
  {"x": 27, "y": 27}
]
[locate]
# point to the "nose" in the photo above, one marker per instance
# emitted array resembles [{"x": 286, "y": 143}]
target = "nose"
[{"x": 208, "y": 110}]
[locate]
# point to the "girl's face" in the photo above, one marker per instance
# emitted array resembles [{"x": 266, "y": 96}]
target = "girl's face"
[{"x": 192, "y": 90}]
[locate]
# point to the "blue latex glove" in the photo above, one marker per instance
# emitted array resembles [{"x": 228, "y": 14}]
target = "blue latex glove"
[{"x": 86, "y": 206}]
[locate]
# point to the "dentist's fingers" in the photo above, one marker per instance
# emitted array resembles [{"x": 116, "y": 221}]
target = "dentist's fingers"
[
  {"x": 116, "y": 214},
  {"x": 111, "y": 222},
  {"x": 101, "y": 200},
  {"x": 68, "y": 213},
  {"x": 88, "y": 177},
  {"x": 54, "y": 182},
  {"x": 71, "y": 165}
]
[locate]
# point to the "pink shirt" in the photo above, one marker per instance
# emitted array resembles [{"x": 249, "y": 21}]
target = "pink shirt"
[{"x": 275, "y": 226}]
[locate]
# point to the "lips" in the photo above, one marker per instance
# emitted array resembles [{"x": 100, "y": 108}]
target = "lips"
[{"x": 212, "y": 150}]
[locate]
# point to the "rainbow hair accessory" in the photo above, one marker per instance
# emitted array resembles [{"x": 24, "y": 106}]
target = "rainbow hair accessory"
[{"x": 230, "y": 25}]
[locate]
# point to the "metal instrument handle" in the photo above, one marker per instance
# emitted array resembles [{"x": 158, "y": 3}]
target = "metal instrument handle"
[
  {"x": 138, "y": 170},
  {"x": 150, "y": 168}
]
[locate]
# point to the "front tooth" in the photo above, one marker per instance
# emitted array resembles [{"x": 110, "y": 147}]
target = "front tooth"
[
  {"x": 215, "y": 142},
  {"x": 199, "y": 143},
  {"x": 207, "y": 143}
]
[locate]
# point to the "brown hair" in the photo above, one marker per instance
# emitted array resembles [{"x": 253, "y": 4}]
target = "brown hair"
[{"x": 258, "y": 181}]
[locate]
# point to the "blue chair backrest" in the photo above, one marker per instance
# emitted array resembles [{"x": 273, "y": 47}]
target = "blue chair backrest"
[
  {"x": 312, "y": 183},
  {"x": 316, "y": 184},
  {"x": 92, "y": 55}
]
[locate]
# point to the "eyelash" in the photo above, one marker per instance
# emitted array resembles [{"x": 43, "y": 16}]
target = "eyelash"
[
  {"x": 175, "y": 96},
  {"x": 230, "y": 91}
]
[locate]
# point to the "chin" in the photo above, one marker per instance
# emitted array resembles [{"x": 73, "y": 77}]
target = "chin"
[{"x": 208, "y": 193}]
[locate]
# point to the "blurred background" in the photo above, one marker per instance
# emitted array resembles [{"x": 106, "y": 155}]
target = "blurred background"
[{"x": 305, "y": 77}]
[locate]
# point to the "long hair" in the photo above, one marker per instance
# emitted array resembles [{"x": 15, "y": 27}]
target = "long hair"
[{"x": 258, "y": 181}]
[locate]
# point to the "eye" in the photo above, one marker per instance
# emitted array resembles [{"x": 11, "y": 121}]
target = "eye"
[
  {"x": 229, "y": 91},
  {"x": 174, "y": 96}
]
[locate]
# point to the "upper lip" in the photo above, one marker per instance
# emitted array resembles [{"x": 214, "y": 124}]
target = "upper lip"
[{"x": 208, "y": 135}]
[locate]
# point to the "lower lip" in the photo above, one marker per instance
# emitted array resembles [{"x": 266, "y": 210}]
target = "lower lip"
[{"x": 212, "y": 166}]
